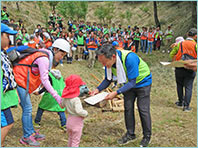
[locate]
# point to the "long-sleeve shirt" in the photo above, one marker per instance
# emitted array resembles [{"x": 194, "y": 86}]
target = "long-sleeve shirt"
[
  {"x": 43, "y": 68},
  {"x": 74, "y": 107}
]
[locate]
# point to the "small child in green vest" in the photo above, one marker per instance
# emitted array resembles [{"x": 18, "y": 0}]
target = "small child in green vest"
[{"x": 48, "y": 102}]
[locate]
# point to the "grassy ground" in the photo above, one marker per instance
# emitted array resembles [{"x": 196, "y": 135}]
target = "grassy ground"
[{"x": 171, "y": 127}]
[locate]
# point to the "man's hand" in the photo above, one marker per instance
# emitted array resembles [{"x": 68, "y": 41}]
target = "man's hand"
[
  {"x": 96, "y": 91},
  {"x": 192, "y": 64},
  {"x": 111, "y": 95}
]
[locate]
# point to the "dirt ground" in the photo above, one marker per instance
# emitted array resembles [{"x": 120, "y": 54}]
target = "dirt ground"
[{"x": 171, "y": 127}]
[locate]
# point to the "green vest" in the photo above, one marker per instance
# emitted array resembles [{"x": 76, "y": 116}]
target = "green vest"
[
  {"x": 48, "y": 102},
  {"x": 9, "y": 98},
  {"x": 113, "y": 29},
  {"x": 143, "y": 67},
  {"x": 59, "y": 20},
  {"x": 157, "y": 34},
  {"x": 80, "y": 40},
  {"x": 105, "y": 31},
  {"x": 50, "y": 31},
  {"x": 4, "y": 16},
  {"x": 136, "y": 38},
  {"x": 171, "y": 34}
]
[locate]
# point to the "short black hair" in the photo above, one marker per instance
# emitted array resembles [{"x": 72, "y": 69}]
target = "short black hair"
[{"x": 107, "y": 50}]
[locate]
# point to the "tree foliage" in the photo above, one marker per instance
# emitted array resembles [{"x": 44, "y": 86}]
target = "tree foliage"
[
  {"x": 105, "y": 13},
  {"x": 128, "y": 15},
  {"x": 73, "y": 9},
  {"x": 53, "y": 4}
]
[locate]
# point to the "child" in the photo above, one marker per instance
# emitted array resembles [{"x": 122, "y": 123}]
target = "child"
[
  {"x": 48, "y": 102},
  {"x": 75, "y": 87}
]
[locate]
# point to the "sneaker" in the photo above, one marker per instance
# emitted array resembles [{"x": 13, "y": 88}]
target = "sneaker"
[
  {"x": 29, "y": 141},
  {"x": 179, "y": 104},
  {"x": 61, "y": 64},
  {"x": 126, "y": 139},
  {"x": 37, "y": 136},
  {"x": 36, "y": 125},
  {"x": 187, "y": 109},
  {"x": 145, "y": 141},
  {"x": 63, "y": 128}
]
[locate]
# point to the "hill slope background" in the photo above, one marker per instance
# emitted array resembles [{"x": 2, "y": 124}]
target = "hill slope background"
[{"x": 176, "y": 13}]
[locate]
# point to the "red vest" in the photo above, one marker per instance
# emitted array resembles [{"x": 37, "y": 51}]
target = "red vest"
[{"x": 21, "y": 72}]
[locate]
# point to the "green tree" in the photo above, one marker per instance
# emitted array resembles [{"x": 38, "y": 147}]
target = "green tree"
[
  {"x": 53, "y": 4},
  {"x": 128, "y": 16},
  {"x": 109, "y": 11},
  {"x": 100, "y": 13},
  {"x": 105, "y": 13},
  {"x": 73, "y": 9}
]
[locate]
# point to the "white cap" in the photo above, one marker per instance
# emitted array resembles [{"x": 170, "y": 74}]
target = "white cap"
[
  {"x": 61, "y": 44},
  {"x": 179, "y": 39},
  {"x": 73, "y": 48}
]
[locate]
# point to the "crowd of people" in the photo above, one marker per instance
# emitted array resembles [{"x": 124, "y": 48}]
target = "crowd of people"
[
  {"x": 115, "y": 48},
  {"x": 86, "y": 37}
]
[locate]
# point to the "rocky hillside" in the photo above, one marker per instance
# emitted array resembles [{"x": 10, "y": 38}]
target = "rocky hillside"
[{"x": 177, "y": 14}]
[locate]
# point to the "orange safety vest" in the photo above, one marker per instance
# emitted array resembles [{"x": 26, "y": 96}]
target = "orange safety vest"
[
  {"x": 32, "y": 45},
  {"x": 48, "y": 43},
  {"x": 36, "y": 40},
  {"x": 121, "y": 44},
  {"x": 132, "y": 47},
  {"x": 188, "y": 47},
  {"x": 91, "y": 46},
  {"x": 150, "y": 36},
  {"x": 143, "y": 37},
  {"x": 21, "y": 73}
]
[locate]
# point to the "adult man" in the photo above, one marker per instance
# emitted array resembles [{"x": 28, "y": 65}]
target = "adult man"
[
  {"x": 136, "y": 37},
  {"x": 29, "y": 79},
  {"x": 185, "y": 77},
  {"x": 9, "y": 95},
  {"x": 81, "y": 41},
  {"x": 92, "y": 45},
  {"x": 135, "y": 74},
  {"x": 169, "y": 36}
]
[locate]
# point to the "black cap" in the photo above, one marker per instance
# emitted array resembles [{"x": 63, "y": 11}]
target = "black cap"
[{"x": 192, "y": 32}]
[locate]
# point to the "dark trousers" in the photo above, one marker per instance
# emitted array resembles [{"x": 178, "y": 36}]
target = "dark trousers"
[
  {"x": 184, "y": 80},
  {"x": 137, "y": 42},
  {"x": 40, "y": 113},
  {"x": 143, "y": 103}
]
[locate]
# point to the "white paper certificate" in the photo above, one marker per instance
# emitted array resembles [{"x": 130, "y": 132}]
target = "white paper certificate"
[{"x": 97, "y": 98}]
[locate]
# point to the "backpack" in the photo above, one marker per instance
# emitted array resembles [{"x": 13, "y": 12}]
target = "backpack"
[{"x": 16, "y": 54}]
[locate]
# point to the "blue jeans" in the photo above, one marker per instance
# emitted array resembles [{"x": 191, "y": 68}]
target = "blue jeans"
[
  {"x": 40, "y": 113},
  {"x": 143, "y": 45},
  {"x": 26, "y": 106},
  {"x": 150, "y": 46}
]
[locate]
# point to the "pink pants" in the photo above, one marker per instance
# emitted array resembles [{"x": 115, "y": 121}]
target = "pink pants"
[{"x": 74, "y": 128}]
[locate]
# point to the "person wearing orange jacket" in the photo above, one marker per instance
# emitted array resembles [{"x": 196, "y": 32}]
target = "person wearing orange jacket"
[
  {"x": 150, "y": 40},
  {"x": 32, "y": 43},
  {"x": 186, "y": 50}
]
